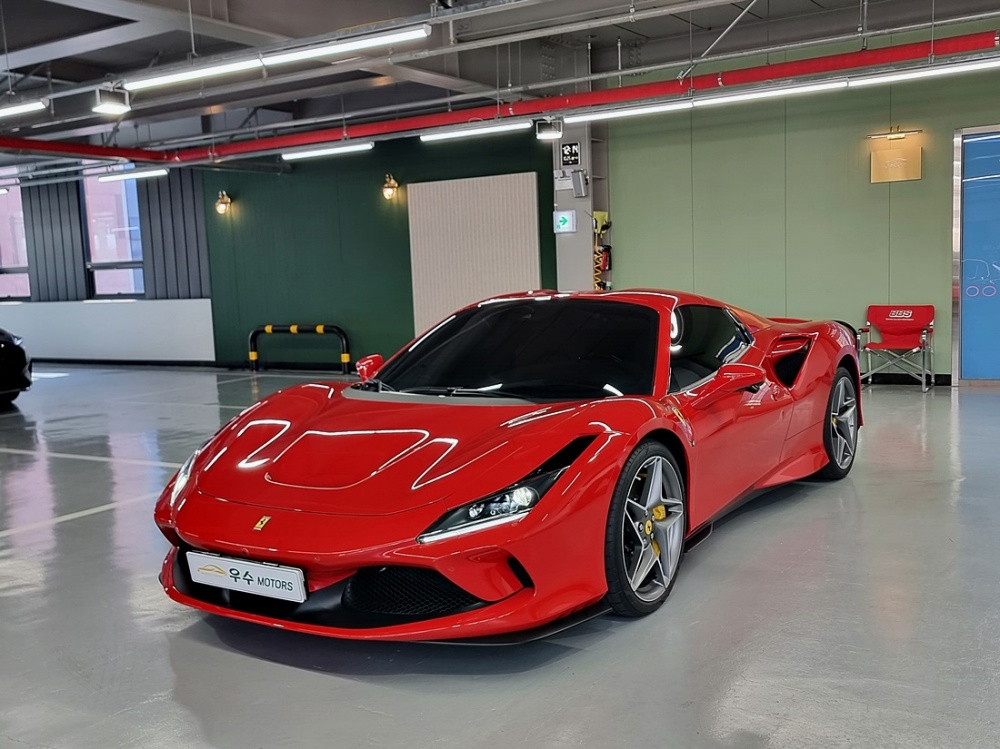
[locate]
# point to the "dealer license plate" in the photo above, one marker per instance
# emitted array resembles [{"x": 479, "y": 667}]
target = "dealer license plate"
[{"x": 270, "y": 580}]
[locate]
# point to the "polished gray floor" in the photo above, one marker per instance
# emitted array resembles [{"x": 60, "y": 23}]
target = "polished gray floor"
[{"x": 864, "y": 613}]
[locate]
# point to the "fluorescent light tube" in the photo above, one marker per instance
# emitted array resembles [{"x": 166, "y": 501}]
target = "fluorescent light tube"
[
  {"x": 671, "y": 106},
  {"x": 342, "y": 46},
  {"x": 332, "y": 151},
  {"x": 23, "y": 108},
  {"x": 770, "y": 93},
  {"x": 131, "y": 174},
  {"x": 470, "y": 132},
  {"x": 899, "y": 76},
  {"x": 192, "y": 74}
]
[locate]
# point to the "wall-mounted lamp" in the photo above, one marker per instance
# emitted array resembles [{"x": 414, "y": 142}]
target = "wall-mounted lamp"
[
  {"x": 222, "y": 203},
  {"x": 896, "y": 134},
  {"x": 549, "y": 129},
  {"x": 390, "y": 188}
]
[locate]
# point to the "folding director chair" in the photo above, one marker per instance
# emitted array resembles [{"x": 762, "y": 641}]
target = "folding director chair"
[{"x": 907, "y": 333}]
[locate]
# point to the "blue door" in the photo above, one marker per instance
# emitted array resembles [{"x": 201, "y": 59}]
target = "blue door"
[{"x": 980, "y": 286}]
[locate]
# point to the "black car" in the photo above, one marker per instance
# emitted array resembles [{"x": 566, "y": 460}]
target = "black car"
[{"x": 15, "y": 368}]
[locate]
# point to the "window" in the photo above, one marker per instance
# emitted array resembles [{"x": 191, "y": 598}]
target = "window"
[
  {"x": 702, "y": 339},
  {"x": 13, "y": 247},
  {"x": 115, "y": 261},
  {"x": 537, "y": 349}
]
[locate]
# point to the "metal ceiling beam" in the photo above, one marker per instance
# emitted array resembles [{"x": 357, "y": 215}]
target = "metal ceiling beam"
[
  {"x": 85, "y": 43},
  {"x": 177, "y": 20},
  {"x": 430, "y": 78}
]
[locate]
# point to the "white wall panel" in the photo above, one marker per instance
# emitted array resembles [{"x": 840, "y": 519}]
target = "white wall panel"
[
  {"x": 138, "y": 330},
  {"x": 471, "y": 239}
]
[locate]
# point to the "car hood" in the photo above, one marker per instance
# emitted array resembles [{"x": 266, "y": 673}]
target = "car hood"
[{"x": 333, "y": 449}]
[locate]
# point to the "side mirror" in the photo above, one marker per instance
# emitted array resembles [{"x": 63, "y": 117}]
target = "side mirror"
[
  {"x": 731, "y": 378},
  {"x": 368, "y": 366}
]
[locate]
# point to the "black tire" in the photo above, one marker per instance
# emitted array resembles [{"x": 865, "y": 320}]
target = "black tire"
[
  {"x": 833, "y": 437},
  {"x": 6, "y": 399},
  {"x": 623, "y": 597}
]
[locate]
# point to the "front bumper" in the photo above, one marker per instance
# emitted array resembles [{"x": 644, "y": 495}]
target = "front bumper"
[
  {"x": 515, "y": 576},
  {"x": 328, "y": 611}
]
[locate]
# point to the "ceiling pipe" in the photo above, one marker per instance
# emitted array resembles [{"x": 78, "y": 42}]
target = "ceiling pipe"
[
  {"x": 78, "y": 150},
  {"x": 780, "y": 71},
  {"x": 199, "y": 96},
  {"x": 841, "y": 63},
  {"x": 339, "y": 118}
]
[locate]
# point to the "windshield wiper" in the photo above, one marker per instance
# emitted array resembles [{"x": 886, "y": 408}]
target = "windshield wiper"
[{"x": 462, "y": 392}]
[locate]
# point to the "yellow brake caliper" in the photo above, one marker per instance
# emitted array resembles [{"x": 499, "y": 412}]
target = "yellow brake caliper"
[{"x": 659, "y": 513}]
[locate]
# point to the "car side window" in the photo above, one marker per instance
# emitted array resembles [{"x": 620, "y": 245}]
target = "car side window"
[{"x": 702, "y": 339}]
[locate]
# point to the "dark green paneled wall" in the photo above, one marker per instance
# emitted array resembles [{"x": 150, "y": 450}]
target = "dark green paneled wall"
[{"x": 322, "y": 245}]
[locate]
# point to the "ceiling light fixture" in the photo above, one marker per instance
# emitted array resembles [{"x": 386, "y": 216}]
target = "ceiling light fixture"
[
  {"x": 125, "y": 174},
  {"x": 223, "y": 203},
  {"x": 505, "y": 127},
  {"x": 192, "y": 74},
  {"x": 770, "y": 93},
  {"x": 25, "y": 107},
  {"x": 899, "y": 76},
  {"x": 111, "y": 102},
  {"x": 549, "y": 129},
  {"x": 340, "y": 46},
  {"x": 349, "y": 45},
  {"x": 613, "y": 114},
  {"x": 331, "y": 151},
  {"x": 390, "y": 188}
]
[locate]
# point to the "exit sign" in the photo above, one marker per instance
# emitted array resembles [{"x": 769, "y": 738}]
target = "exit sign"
[{"x": 564, "y": 222}]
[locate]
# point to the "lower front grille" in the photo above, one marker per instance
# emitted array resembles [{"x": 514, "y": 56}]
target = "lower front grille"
[{"x": 406, "y": 591}]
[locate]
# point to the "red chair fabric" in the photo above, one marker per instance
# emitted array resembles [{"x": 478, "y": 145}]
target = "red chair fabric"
[{"x": 900, "y": 325}]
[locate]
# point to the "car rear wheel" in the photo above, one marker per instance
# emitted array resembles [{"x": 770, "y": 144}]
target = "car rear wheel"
[
  {"x": 840, "y": 429},
  {"x": 644, "y": 541}
]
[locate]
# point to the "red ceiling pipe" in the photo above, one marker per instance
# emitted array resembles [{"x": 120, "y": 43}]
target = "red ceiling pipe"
[
  {"x": 81, "y": 150},
  {"x": 817, "y": 65},
  {"x": 850, "y": 61}
]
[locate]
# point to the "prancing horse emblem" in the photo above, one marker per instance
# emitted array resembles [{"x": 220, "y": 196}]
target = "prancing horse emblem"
[{"x": 262, "y": 522}]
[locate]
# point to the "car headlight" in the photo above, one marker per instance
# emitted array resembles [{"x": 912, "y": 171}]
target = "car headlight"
[
  {"x": 504, "y": 506},
  {"x": 183, "y": 475}
]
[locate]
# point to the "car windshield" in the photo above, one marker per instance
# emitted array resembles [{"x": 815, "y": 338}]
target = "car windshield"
[{"x": 537, "y": 349}]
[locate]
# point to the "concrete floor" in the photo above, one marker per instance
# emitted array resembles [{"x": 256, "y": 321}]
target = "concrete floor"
[{"x": 864, "y": 613}]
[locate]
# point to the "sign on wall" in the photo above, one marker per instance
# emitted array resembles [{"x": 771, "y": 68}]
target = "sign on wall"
[
  {"x": 569, "y": 154},
  {"x": 897, "y": 164}
]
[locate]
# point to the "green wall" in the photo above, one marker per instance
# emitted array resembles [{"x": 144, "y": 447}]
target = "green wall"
[
  {"x": 321, "y": 244},
  {"x": 768, "y": 205}
]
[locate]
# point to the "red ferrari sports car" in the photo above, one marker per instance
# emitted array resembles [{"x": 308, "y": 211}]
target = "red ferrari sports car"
[{"x": 532, "y": 461}]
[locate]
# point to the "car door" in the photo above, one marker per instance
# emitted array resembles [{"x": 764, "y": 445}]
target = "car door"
[{"x": 738, "y": 435}]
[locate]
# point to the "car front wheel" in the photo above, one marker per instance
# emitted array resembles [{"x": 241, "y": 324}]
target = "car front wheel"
[
  {"x": 840, "y": 428},
  {"x": 644, "y": 541}
]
